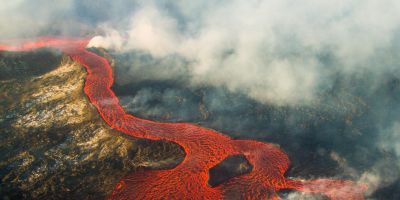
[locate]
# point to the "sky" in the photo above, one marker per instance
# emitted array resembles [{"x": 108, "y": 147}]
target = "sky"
[{"x": 312, "y": 59}]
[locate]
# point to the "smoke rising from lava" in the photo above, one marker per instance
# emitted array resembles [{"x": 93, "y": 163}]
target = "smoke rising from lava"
[
  {"x": 274, "y": 51},
  {"x": 305, "y": 62},
  {"x": 279, "y": 54}
]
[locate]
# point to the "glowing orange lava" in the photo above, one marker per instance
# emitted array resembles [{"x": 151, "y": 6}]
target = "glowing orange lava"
[{"x": 204, "y": 147}]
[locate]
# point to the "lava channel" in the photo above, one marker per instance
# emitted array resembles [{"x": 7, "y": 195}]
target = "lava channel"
[{"x": 204, "y": 147}]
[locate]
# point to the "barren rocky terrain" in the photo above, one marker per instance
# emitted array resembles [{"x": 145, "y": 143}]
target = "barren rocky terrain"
[{"x": 53, "y": 143}]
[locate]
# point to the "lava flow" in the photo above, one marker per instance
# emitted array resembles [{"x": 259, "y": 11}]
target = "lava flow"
[{"x": 204, "y": 147}]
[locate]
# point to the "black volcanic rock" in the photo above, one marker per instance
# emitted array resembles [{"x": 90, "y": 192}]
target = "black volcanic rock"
[
  {"x": 23, "y": 65},
  {"x": 230, "y": 167}
]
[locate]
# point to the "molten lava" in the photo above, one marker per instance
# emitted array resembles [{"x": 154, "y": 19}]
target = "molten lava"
[{"x": 204, "y": 147}]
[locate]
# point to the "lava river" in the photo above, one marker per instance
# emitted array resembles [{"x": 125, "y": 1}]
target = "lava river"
[{"x": 204, "y": 147}]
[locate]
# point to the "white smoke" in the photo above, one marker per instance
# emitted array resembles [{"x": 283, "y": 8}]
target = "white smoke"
[
  {"x": 279, "y": 52},
  {"x": 270, "y": 50},
  {"x": 390, "y": 139},
  {"x": 23, "y": 18}
]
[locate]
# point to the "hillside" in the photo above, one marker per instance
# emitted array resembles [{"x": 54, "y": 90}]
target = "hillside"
[{"x": 53, "y": 142}]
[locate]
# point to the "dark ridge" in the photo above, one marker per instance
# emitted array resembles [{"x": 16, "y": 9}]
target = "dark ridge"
[
  {"x": 230, "y": 167},
  {"x": 23, "y": 65}
]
